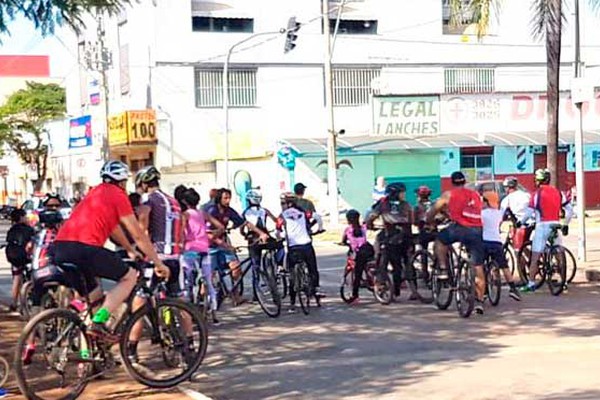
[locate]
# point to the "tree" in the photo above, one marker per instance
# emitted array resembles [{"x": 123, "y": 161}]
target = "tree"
[
  {"x": 547, "y": 21},
  {"x": 46, "y": 14},
  {"x": 22, "y": 123}
]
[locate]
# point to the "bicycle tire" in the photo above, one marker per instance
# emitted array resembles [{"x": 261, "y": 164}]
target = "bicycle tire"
[
  {"x": 197, "y": 322},
  {"x": 347, "y": 285},
  {"x": 25, "y": 300},
  {"x": 510, "y": 259},
  {"x": 555, "y": 270},
  {"x": 524, "y": 262},
  {"x": 382, "y": 288},
  {"x": 465, "y": 290},
  {"x": 422, "y": 262},
  {"x": 571, "y": 272},
  {"x": 302, "y": 286},
  {"x": 266, "y": 275},
  {"x": 4, "y": 371},
  {"x": 29, "y": 330},
  {"x": 441, "y": 289},
  {"x": 493, "y": 283}
]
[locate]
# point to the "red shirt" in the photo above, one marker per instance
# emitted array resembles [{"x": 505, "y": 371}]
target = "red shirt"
[
  {"x": 464, "y": 207},
  {"x": 547, "y": 201},
  {"x": 98, "y": 214}
]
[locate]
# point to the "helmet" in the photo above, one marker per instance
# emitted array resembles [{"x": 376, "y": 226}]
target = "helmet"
[
  {"x": 253, "y": 197},
  {"x": 424, "y": 191},
  {"x": 395, "y": 188},
  {"x": 51, "y": 196},
  {"x": 510, "y": 182},
  {"x": 492, "y": 198},
  {"x": 542, "y": 175},
  {"x": 458, "y": 178},
  {"x": 115, "y": 170},
  {"x": 352, "y": 215},
  {"x": 147, "y": 174}
]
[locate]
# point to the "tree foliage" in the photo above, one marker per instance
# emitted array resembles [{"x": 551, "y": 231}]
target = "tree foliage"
[
  {"x": 47, "y": 14},
  {"x": 22, "y": 123}
]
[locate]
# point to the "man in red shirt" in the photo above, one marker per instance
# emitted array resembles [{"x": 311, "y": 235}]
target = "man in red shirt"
[
  {"x": 81, "y": 239},
  {"x": 464, "y": 208}
]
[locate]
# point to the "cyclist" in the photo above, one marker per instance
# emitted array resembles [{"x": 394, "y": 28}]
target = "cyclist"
[
  {"x": 81, "y": 239},
  {"x": 295, "y": 222},
  {"x": 516, "y": 200},
  {"x": 212, "y": 194},
  {"x": 546, "y": 203},
  {"x": 396, "y": 237},
  {"x": 491, "y": 218},
  {"x": 307, "y": 205},
  {"x": 427, "y": 232},
  {"x": 464, "y": 208},
  {"x": 221, "y": 251},
  {"x": 18, "y": 249},
  {"x": 355, "y": 236}
]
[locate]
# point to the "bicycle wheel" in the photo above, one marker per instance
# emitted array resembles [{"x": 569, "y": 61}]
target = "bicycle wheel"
[
  {"x": 465, "y": 292},
  {"x": 382, "y": 288},
  {"x": 56, "y": 370},
  {"x": 524, "y": 264},
  {"x": 422, "y": 262},
  {"x": 4, "y": 369},
  {"x": 493, "y": 282},
  {"x": 181, "y": 352},
  {"x": 26, "y": 300},
  {"x": 266, "y": 291},
  {"x": 347, "y": 285},
  {"x": 570, "y": 265},
  {"x": 554, "y": 266},
  {"x": 510, "y": 259},
  {"x": 441, "y": 289},
  {"x": 302, "y": 286}
]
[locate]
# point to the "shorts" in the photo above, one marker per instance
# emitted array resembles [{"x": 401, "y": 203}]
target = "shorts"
[
  {"x": 176, "y": 282},
  {"x": 221, "y": 258},
  {"x": 17, "y": 269},
  {"x": 495, "y": 251},
  {"x": 91, "y": 262},
  {"x": 469, "y": 236},
  {"x": 541, "y": 234}
]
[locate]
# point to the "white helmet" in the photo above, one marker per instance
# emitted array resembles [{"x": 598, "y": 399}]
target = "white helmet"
[
  {"x": 253, "y": 197},
  {"x": 115, "y": 170}
]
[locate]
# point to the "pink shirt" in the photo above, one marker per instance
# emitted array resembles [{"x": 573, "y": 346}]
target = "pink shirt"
[
  {"x": 196, "y": 237},
  {"x": 355, "y": 242}
]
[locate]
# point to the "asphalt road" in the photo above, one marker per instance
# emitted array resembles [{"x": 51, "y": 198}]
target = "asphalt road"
[{"x": 541, "y": 348}]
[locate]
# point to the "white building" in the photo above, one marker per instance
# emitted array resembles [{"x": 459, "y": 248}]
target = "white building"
[{"x": 168, "y": 56}]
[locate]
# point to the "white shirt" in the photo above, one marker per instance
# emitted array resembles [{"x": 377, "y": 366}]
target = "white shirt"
[
  {"x": 296, "y": 227},
  {"x": 518, "y": 202},
  {"x": 491, "y": 219},
  {"x": 257, "y": 216}
]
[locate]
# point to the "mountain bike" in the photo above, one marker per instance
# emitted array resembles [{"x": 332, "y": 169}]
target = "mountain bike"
[
  {"x": 4, "y": 370},
  {"x": 56, "y": 356}
]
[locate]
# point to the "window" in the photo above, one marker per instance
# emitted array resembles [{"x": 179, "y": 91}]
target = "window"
[
  {"x": 469, "y": 80},
  {"x": 354, "y": 27},
  {"x": 477, "y": 166},
  {"x": 213, "y": 24},
  {"x": 464, "y": 17},
  {"x": 352, "y": 86},
  {"x": 209, "y": 88}
]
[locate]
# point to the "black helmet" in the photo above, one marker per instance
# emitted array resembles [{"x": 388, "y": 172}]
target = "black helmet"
[
  {"x": 352, "y": 215},
  {"x": 51, "y": 196},
  {"x": 146, "y": 175},
  {"x": 395, "y": 188},
  {"x": 458, "y": 178}
]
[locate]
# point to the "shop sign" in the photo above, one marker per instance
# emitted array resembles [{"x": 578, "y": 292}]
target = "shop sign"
[
  {"x": 80, "y": 132},
  {"x": 132, "y": 127},
  {"x": 117, "y": 129},
  {"x": 406, "y": 116}
]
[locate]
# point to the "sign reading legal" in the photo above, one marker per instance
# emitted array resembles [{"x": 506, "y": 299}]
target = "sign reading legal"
[{"x": 411, "y": 116}]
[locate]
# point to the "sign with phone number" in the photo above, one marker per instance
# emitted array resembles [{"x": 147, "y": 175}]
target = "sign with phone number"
[{"x": 132, "y": 127}]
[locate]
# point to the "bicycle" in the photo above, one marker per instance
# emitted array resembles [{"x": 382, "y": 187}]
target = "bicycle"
[
  {"x": 377, "y": 283},
  {"x": 553, "y": 263},
  {"x": 493, "y": 281},
  {"x": 61, "y": 340},
  {"x": 4, "y": 370}
]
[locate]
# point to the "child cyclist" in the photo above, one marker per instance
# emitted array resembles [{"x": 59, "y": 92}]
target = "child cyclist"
[
  {"x": 196, "y": 245},
  {"x": 492, "y": 217},
  {"x": 355, "y": 237}
]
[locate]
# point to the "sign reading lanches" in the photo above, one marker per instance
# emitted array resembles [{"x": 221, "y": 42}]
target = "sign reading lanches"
[{"x": 408, "y": 117}]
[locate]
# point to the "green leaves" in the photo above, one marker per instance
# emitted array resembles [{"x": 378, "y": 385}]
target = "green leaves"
[{"x": 478, "y": 12}]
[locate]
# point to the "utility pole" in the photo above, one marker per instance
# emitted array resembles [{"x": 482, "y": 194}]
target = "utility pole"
[
  {"x": 579, "y": 167},
  {"x": 331, "y": 133}
]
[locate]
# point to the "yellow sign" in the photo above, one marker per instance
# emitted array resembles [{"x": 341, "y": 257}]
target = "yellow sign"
[
  {"x": 141, "y": 126},
  {"x": 117, "y": 130}
]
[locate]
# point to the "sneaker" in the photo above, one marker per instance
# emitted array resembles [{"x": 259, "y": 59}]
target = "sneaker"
[
  {"x": 134, "y": 358},
  {"x": 101, "y": 333},
  {"x": 528, "y": 288},
  {"x": 355, "y": 301},
  {"x": 292, "y": 310},
  {"x": 479, "y": 307},
  {"x": 27, "y": 355},
  {"x": 514, "y": 294},
  {"x": 215, "y": 321}
]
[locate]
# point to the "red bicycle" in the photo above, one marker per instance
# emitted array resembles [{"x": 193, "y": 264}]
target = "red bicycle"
[{"x": 377, "y": 282}]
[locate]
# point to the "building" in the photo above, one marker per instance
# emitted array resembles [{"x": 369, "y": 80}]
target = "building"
[{"x": 416, "y": 97}]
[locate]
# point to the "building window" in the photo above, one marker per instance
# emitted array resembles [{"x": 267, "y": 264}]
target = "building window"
[
  {"x": 477, "y": 167},
  {"x": 469, "y": 80},
  {"x": 455, "y": 22},
  {"x": 213, "y": 24},
  {"x": 352, "y": 86},
  {"x": 209, "y": 88},
  {"x": 354, "y": 27}
]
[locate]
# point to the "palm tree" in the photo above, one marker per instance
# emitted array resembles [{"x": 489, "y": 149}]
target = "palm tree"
[{"x": 547, "y": 21}]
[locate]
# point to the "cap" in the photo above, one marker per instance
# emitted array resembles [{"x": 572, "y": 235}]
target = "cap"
[{"x": 299, "y": 187}]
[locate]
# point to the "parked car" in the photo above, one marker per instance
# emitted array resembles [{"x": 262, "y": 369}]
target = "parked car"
[
  {"x": 5, "y": 211},
  {"x": 491, "y": 185}
]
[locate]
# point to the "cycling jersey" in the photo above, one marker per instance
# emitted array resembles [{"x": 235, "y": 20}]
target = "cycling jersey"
[
  {"x": 393, "y": 213},
  {"x": 547, "y": 202},
  {"x": 464, "y": 207},
  {"x": 296, "y": 227},
  {"x": 164, "y": 226},
  {"x": 257, "y": 216},
  {"x": 96, "y": 216},
  {"x": 517, "y": 202}
]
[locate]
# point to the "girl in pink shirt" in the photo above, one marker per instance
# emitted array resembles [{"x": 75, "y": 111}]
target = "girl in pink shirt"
[{"x": 355, "y": 236}]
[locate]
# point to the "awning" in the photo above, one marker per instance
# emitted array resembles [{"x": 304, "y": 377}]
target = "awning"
[{"x": 380, "y": 144}]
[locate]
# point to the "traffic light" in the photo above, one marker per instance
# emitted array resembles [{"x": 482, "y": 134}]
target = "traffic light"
[{"x": 291, "y": 35}]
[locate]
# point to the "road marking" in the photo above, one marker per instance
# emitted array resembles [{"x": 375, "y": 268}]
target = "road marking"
[{"x": 193, "y": 394}]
